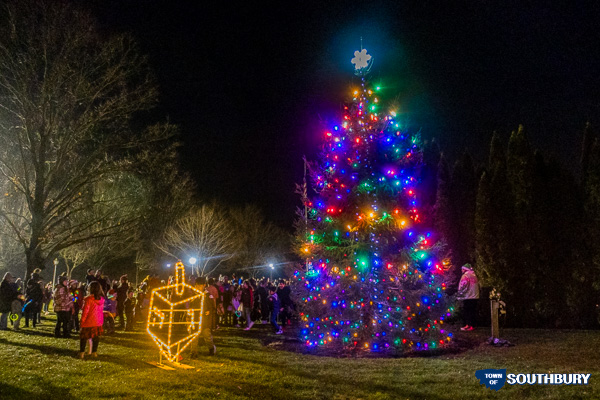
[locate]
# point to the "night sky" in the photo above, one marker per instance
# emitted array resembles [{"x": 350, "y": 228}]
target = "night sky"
[{"x": 248, "y": 84}]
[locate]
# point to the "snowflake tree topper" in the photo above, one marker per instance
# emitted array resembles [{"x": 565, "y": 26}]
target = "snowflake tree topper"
[{"x": 361, "y": 62}]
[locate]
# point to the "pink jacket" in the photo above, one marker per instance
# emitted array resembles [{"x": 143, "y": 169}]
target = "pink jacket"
[
  {"x": 62, "y": 299},
  {"x": 92, "y": 314}
]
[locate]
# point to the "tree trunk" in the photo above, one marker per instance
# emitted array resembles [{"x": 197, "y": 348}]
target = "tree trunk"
[
  {"x": 495, "y": 306},
  {"x": 34, "y": 260}
]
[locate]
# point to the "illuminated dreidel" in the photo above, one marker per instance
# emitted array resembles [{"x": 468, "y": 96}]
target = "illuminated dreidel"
[{"x": 175, "y": 315}]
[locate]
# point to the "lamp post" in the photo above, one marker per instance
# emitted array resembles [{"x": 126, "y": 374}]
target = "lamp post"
[
  {"x": 272, "y": 268},
  {"x": 54, "y": 275},
  {"x": 193, "y": 261}
]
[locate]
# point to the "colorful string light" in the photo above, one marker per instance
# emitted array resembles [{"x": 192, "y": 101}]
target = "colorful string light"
[{"x": 374, "y": 280}]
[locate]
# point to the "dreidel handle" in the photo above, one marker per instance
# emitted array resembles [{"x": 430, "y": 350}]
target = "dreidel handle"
[{"x": 179, "y": 277}]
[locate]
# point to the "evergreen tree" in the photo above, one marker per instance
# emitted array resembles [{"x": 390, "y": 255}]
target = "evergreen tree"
[
  {"x": 485, "y": 234},
  {"x": 525, "y": 269},
  {"x": 375, "y": 280},
  {"x": 503, "y": 262},
  {"x": 464, "y": 193},
  {"x": 443, "y": 210},
  {"x": 429, "y": 177},
  {"x": 519, "y": 169},
  {"x": 592, "y": 215},
  {"x": 556, "y": 226},
  {"x": 497, "y": 159}
]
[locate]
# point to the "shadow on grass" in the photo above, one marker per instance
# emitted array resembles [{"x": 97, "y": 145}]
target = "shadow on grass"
[
  {"x": 47, "y": 391},
  {"x": 140, "y": 342},
  {"x": 28, "y": 332},
  {"x": 340, "y": 384},
  {"x": 42, "y": 348},
  {"x": 71, "y": 353}
]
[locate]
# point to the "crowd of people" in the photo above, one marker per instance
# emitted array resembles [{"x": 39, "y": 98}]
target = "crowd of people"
[
  {"x": 236, "y": 302},
  {"x": 242, "y": 303}
]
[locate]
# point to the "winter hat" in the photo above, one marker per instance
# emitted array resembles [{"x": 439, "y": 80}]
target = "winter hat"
[{"x": 467, "y": 267}]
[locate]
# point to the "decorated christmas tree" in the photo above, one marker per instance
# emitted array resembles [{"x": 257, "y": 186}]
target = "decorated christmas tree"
[{"x": 374, "y": 279}]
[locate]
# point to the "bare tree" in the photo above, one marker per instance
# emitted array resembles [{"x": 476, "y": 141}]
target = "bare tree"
[
  {"x": 259, "y": 242},
  {"x": 74, "y": 257},
  {"x": 66, "y": 100},
  {"x": 205, "y": 233},
  {"x": 169, "y": 198}
]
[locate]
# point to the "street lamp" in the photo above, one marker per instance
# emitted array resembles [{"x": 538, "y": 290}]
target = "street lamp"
[
  {"x": 54, "y": 275},
  {"x": 193, "y": 261},
  {"x": 272, "y": 268}
]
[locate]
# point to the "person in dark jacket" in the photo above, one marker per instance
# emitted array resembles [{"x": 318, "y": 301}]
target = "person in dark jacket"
[
  {"x": 274, "y": 306},
  {"x": 129, "y": 306},
  {"x": 247, "y": 304},
  {"x": 285, "y": 300},
  {"x": 105, "y": 283},
  {"x": 255, "y": 315},
  {"x": 34, "y": 299},
  {"x": 47, "y": 298},
  {"x": 8, "y": 293},
  {"x": 228, "y": 310},
  {"x": 263, "y": 299},
  {"x": 122, "y": 290},
  {"x": 209, "y": 317},
  {"x": 89, "y": 278}
]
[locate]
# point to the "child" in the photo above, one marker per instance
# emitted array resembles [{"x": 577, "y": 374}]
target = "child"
[
  {"x": 92, "y": 319},
  {"x": 110, "y": 311},
  {"x": 75, "y": 292},
  {"x": 274, "y": 306},
  {"x": 17, "y": 305},
  {"x": 47, "y": 298},
  {"x": 129, "y": 305}
]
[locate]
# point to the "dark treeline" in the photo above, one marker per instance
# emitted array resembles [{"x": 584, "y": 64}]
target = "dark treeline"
[{"x": 528, "y": 224}]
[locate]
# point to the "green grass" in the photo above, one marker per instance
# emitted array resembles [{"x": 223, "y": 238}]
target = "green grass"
[{"x": 35, "y": 365}]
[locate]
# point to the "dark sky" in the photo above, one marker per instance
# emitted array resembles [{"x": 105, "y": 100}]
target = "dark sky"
[{"x": 248, "y": 83}]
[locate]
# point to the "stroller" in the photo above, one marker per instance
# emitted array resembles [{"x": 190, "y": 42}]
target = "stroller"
[{"x": 110, "y": 312}]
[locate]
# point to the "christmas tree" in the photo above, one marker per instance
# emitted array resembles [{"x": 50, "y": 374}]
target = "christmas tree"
[{"x": 374, "y": 279}]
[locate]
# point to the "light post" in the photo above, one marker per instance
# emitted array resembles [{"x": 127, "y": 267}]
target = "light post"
[
  {"x": 54, "y": 275},
  {"x": 272, "y": 268},
  {"x": 193, "y": 261}
]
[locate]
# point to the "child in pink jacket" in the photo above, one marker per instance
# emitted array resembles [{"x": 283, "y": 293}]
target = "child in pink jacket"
[{"x": 92, "y": 319}]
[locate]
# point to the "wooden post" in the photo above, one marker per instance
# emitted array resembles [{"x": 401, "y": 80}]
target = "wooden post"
[{"x": 495, "y": 305}]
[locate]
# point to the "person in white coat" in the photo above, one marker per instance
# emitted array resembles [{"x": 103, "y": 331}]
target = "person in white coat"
[{"x": 468, "y": 292}]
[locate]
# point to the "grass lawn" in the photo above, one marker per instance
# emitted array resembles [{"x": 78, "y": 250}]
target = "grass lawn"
[{"x": 35, "y": 365}]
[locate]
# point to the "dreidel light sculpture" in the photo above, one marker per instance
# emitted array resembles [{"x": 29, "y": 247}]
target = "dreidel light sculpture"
[{"x": 175, "y": 316}]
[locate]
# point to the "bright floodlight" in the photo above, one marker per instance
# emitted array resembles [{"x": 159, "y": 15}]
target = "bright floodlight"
[
  {"x": 271, "y": 265},
  {"x": 193, "y": 260},
  {"x": 168, "y": 265}
]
